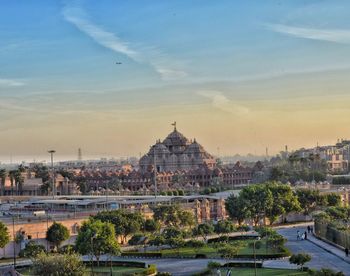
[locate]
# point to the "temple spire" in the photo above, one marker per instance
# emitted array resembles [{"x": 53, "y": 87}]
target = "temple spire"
[{"x": 174, "y": 124}]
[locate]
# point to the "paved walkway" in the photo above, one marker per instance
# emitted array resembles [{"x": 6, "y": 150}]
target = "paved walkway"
[{"x": 321, "y": 252}]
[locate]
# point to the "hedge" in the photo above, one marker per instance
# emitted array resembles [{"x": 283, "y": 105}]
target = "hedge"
[
  {"x": 117, "y": 263},
  {"x": 142, "y": 254},
  {"x": 250, "y": 264},
  {"x": 234, "y": 238}
]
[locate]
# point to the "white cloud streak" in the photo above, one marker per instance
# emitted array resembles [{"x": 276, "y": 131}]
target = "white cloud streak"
[
  {"x": 10, "y": 83},
  {"x": 330, "y": 35},
  {"x": 221, "y": 102},
  {"x": 75, "y": 15}
]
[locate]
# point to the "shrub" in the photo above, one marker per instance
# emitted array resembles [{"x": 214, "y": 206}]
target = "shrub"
[
  {"x": 169, "y": 193},
  {"x": 67, "y": 264},
  {"x": 151, "y": 269},
  {"x": 265, "y": 231},
  {"x": 142, "y": 254},
  {"x": 243, "y": 228},
  {"x": 200, "y": 256},
  {"x": 136, "y": 239},
  {"x": 67, "y": 249},
  {"x": 213, "y": 265},
  {"x": 181, "y": 192},
  {"x": 32, "y": 249},
  {"x": 300, "y": 259}
]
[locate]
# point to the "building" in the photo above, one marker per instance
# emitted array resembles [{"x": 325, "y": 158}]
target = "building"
[{"x": 174, "y": 153}]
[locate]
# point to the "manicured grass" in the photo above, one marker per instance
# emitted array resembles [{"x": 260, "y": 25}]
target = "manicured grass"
[
  {"x": 212, "y": 252},
  {"x": 116, "y": 270},
  {"x": 264, "y": 272}
]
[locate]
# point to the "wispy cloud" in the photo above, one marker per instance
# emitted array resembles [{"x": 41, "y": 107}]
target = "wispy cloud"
[
  {"x": 331, "y": 35},
  {"x": 220, "y": 101},
  {"x": 10, "y": 82},
  {"x": 76, "y": 15}
]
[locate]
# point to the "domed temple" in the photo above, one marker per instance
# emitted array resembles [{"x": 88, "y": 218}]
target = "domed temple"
[{"x": 176, "y": 153}]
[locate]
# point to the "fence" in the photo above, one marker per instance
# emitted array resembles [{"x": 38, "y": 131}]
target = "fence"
[{"x": 326, "y": 231}]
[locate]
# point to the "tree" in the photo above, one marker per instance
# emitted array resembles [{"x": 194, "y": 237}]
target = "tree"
[
  {"x": 151, "y": 225},
  {"x": 124, "y": 223},
  {"x": 186, "y": 218},
  {"x": 333, "y": 199},
  {"x": 224, "y": 227},
  {"x": 236, "y": 208},
  {"x": 32, "y": 250},
  {"x": 257, "y": 199},
  {"x": 300, "y": 259},
  {"x": 338, "y": 212},
  {"x": 57, "y": 233},
  {"x": 204, "y": 230},
  {"x": 284, "y": 201},
  {"x": 97, "y": 238},
  {"x": 43, "y": 173},
  {"x": 308, "y": 199},
  {"x": 19, "y": 180},
  {"x": 3, "y": 175},
  {"x": 4, "y": 235},
  {"x": 229, "y": 250},
  {"x": 173, "y": 215},
  {"x": 53, "y": 265},
  {"x": 196, "y": 244},
  {"x": 173, "y": 237}
]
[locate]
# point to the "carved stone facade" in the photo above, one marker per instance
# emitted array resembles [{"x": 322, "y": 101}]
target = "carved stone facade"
[{"x": 176, "y": 152}]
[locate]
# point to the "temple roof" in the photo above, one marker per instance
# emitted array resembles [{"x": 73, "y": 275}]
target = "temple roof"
[{"x": 175, "y": 138}]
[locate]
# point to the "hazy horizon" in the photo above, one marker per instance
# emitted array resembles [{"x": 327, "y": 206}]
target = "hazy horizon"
[{"x": 111, "y": 76}]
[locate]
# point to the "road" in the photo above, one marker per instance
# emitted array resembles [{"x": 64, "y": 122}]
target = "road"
[{"x": 320, "y": 257}]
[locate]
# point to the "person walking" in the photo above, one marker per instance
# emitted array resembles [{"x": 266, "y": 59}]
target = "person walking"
[
  {"x": 308, "y": 229},
  {"x": 305, "y": 235},
  {"x": 346, "y": 252},
  {"x": 218, "y": 272},
  {"x": 298, "y": 235},
  {"x": 228, "y": 273}
]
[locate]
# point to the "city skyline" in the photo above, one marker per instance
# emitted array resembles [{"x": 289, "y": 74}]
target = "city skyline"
[{"x": 111, "y": 77}]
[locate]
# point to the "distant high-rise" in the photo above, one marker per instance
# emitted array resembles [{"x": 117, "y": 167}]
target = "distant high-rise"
[{"x": 80, "y": 155}]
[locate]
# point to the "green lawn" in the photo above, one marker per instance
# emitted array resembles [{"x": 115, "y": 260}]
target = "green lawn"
[
  {"x": 211, "y": 252},
  {"x": 263, "y": 272},
  {"x": 102, "y": 270}
]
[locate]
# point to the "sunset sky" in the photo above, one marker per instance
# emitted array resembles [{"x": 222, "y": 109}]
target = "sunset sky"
[{"x": 238, "y": 75}]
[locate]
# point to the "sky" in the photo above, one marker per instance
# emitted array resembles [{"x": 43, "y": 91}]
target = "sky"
[{"x": 111, "y": 76}]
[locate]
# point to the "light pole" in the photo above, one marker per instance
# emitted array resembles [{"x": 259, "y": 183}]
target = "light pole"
[
  {"x": 155, "y": 172},
  {"x": 53, "y": 173},
  {"x": 255, "y": 273},
  {"x": 14, "y": 242}
]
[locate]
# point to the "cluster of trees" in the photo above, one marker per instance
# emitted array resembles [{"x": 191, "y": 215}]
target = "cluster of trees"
[
  {"x": 295, "y": 168},
  {"x": 273, "y": 200},
  {"x": 258, "y": 201},
  {"x": 16, "y": 180},
  {"x": 310, "y": 200}
]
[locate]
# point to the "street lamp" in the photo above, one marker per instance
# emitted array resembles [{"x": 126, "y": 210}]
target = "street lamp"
[
  {"x": 14, "y": 242},
  {"x": 255, "y": 255},
  {"x": 52, "y": 171},
  {"x": 92, "y": 253}
]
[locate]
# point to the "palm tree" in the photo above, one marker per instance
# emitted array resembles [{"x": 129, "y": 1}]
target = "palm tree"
[
  {"x": 19, "y": 181},
  {"x": 12, "y": 179},
  {"x": 3, "y": 174}
]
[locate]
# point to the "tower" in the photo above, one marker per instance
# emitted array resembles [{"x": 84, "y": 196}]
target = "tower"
[{"x": 80, "y": 156}]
